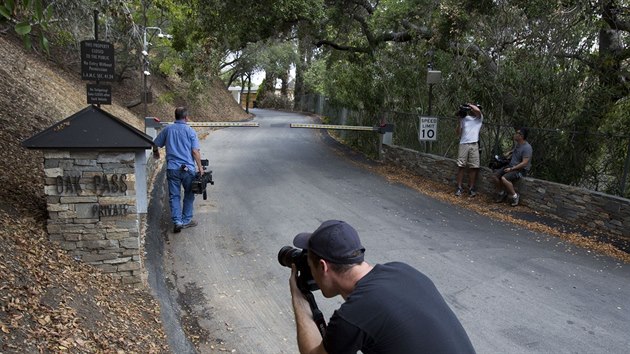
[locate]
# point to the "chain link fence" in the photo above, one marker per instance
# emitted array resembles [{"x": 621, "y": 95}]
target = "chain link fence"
[{"x": 606, "y": 169}]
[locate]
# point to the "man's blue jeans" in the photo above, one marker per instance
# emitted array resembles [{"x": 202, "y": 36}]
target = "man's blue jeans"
[{"x": 176, "y": 180}]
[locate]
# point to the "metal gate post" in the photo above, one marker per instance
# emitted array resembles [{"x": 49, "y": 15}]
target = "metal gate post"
[{"x": 626, "y": 167}]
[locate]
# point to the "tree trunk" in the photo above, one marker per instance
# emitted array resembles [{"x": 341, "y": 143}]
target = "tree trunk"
[
  {"x": 305, "y": 53},
  {"x": 249, "y": 91}
]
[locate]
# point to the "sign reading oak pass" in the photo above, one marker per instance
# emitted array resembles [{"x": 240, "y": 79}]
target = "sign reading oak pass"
[{"x": 97, "y": 61}]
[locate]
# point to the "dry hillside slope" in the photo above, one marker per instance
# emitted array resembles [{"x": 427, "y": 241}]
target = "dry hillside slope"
[{"x": 48, "y": 301}]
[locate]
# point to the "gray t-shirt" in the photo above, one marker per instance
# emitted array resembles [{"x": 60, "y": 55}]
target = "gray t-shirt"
[{"x": 520, "y": 152}]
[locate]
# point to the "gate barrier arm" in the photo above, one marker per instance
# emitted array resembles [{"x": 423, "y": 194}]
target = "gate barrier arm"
[{"x": 382, "y": 129}]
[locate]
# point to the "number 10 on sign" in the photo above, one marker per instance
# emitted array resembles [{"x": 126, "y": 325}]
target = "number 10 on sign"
[{"x": 428, "y": 129}]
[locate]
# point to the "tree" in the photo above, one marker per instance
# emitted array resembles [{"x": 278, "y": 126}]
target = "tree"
[
  {"x": 549, "y": 65},
  {"x": 27, "y": 16}
]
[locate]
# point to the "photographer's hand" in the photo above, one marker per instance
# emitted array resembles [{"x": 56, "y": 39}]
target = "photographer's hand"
[
  {"x": 475, "y": 109},
  {"x": 295, "y": 290},
  {"x": 309, "y": 338}
]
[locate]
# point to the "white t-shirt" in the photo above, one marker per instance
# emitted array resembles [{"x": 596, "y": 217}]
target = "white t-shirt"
[{"x": 471, "y": 126}]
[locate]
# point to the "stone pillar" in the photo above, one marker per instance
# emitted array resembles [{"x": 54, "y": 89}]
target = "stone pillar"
[{"x": 93, "y": 214}]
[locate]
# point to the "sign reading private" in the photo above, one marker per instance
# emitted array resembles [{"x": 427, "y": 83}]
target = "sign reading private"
[
  {"x": 99, "y": 94},
  {"x": 97, "y": 61},
  {"x": 428, "y": 129}
]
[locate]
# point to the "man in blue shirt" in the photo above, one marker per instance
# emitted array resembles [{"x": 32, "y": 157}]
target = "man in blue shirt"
[{"x": 183, "y": 163}]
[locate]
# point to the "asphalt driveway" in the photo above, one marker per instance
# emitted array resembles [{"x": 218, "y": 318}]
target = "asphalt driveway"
[{"x": 222, "y": 289}]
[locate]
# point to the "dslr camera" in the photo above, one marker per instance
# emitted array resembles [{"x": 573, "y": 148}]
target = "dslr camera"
[
  {"x": 200, "y": 183},
  {"x": 465, "y": 109},
  {"x": 305, "y": 282},
  {"x": 290, "y": 255}
]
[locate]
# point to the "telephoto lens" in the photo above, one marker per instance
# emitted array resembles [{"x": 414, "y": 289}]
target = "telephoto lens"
[{"x": 290, "y": 255}]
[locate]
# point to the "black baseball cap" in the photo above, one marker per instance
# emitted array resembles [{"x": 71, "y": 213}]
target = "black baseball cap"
[{"x": 335, "y": 241}]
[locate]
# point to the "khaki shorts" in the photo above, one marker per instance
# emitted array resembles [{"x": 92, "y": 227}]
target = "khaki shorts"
[{"x": 468, "y": 155}]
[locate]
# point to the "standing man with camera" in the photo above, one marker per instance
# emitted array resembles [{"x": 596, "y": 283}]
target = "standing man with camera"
[
  {"x": 468, "y": 152},
  {"x": 183, "y": 161},
  {"x": 519, "y": 166},
  {"x": 388, "y": 308}
]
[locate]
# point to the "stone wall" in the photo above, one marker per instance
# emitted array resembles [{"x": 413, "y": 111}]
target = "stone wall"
[
  {"x": 91, "y": 198},
  {"x": 576, "y": 205}
]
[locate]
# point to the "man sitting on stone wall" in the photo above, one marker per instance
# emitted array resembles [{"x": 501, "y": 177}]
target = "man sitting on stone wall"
[{"x": 519, "y": 166}]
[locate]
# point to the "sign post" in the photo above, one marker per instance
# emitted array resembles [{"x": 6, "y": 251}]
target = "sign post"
[
  {"x": 97, "y": 61},
  {"x": 97, "y": 64},
  {"x": 99, "y": 94}
]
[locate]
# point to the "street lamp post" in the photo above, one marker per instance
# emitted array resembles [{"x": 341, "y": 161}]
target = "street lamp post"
[{"x": 145, "y": 62}]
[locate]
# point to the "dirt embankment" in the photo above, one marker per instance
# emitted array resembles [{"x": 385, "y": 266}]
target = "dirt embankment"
[{"x": 48, "y": 301}]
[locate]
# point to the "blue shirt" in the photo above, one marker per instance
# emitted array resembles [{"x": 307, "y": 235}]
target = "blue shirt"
[{"x": 180, "y": 140}]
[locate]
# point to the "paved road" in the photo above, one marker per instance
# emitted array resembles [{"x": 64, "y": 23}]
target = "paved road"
[{"x": 514, "y": 291}]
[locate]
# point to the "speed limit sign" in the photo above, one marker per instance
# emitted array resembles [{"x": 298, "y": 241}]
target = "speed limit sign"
[{"x": 428, "y": 129}]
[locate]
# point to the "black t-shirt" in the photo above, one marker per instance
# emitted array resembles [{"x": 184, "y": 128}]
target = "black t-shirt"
[{"x": 395, "y": 309}]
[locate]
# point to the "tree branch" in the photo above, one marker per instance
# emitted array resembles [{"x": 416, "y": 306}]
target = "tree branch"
[
  {"x": 577, "y": 57},
  {"x": 229, "y": 63},
  {"x": 342, "y": 47},
  {"x": 365, "y": 29},
  {"x": 610, "y": 15},
  {"x": 423, "y": 31},
  {"x": 366, "y": 5}
]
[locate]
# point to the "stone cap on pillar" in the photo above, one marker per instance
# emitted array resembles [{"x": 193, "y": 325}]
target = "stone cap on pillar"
[{"x": 91, "y": 128}]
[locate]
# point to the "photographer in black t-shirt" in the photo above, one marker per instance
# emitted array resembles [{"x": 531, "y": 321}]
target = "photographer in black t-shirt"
[{"x": 388, "y": 308}]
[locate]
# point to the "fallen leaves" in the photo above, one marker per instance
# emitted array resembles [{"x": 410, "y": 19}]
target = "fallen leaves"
[
  {"x": 488, "y": 208},
  {"x": 49, "y": 302},
  {"x": 4, "y": 328}
]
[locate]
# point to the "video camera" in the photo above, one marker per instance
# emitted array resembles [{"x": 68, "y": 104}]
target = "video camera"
[
  {"x": 290, "y": 255},
  {"x": 498, "y": 162},
  {"x": 465, "y": 109},
  {"x": 200, "y": 183}
]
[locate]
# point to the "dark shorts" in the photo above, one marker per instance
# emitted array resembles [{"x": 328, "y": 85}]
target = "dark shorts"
[{"x": 510, "y": 176}]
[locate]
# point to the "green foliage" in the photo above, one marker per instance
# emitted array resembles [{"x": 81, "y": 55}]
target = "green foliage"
[
  {"x": 166, "y": 98},
  {"x": 170, "y": 65},
  {"x": 315, "y": 74},
  {"x": 28, "y": 15},
  {"x": 196, "y": 86},
  {"x": 558, "y": 67},
  {"x": 261, "y": 92},
  {"x": 276, "y": 56},
  {"x": 273, "y": 101},
  {"x": 555, "y": 67},
  {"x": 238, "y": 22}
]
